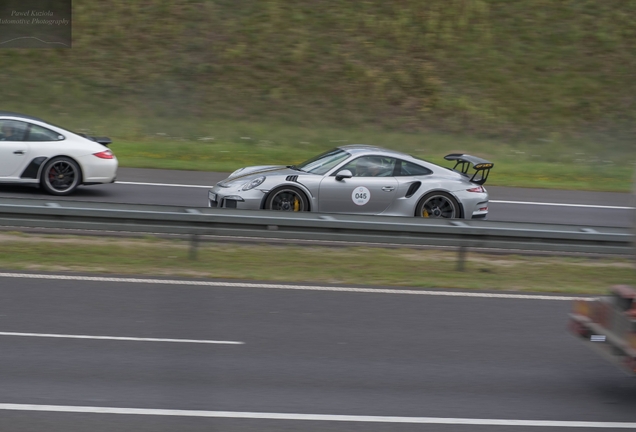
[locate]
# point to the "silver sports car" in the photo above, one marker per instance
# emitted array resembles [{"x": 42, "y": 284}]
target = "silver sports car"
[{"x": 362, "y": 179}]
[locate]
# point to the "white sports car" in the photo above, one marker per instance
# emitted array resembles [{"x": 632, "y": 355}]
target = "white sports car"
[
  {"x": 35, "y": 152},
  {"x": 362, "y": 179}
]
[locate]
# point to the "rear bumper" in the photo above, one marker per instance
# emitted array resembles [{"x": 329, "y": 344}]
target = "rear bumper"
[
  {"x": 475, "y": 204},
  {"x": 98, "y": 171},
  {"x": 605, "y": 342}
]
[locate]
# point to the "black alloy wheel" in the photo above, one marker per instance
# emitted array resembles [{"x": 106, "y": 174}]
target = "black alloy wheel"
[
  {"x": 438, "y": 205},
  {"x": 61, "y": 176},
  {"x": 287, "y": 199}
]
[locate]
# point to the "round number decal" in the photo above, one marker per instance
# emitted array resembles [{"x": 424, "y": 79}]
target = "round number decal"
[{"x": 360, "y": 195}]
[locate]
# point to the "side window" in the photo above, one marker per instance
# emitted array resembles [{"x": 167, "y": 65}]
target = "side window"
[
  {"x": 371, "y": 166},
  {"x": 405, "y": 169},
  {"x": 12, "y": 130},
  {"x": 38, "y": 133}
]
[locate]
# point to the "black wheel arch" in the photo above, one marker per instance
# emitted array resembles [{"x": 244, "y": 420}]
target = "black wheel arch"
[
  {"x": 296, "y": 186},
  {"x": 81, "y": 172},
  {"x": 459, "y": 203}
]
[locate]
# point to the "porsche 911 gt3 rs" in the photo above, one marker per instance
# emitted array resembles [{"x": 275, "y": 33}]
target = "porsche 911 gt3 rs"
[
  {"x": 362, "y": 179},
  {"x": 33, "y": 151}
]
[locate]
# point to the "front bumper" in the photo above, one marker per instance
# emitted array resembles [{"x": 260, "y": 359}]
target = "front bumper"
[{"x": 219, "y": 197}]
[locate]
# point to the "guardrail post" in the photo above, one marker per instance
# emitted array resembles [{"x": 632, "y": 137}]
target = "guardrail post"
[
  {"x": 194, "y": 246},
  {"x": 461, "y": 258}
]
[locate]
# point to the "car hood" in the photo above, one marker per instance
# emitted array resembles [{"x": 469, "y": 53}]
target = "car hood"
[{"x": 249, "y": 173}]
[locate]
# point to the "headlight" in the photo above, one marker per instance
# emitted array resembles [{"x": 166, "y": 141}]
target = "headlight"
[{"x": 252, "y": 184}]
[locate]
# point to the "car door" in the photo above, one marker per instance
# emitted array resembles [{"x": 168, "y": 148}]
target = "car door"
[
  {"x": 14, "y": 152},
  {"x": 367, "y": 192}
]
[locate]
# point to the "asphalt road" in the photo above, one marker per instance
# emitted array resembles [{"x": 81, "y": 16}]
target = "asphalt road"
[
  {"x": 303, "y": 351},
  {"x": 188, "y": 188}
]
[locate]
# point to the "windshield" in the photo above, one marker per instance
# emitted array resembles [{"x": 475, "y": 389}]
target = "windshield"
[{"x": 322, "y": 163}]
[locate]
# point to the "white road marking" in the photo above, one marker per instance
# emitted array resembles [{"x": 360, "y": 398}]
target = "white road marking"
[
  {"x": 491, "y": 201},
  {"x": 316, "y": 417},
  {"x": 288, "y": 287},
  {"x": 120, "y": 338},
  {"x": 562, "y": 205},
  {"x": 164, "y": 184}
]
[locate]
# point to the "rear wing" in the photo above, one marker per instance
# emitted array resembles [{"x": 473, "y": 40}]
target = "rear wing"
[
  {"x": 481, "y": 166},
  {"x": 101, "y": 140}
]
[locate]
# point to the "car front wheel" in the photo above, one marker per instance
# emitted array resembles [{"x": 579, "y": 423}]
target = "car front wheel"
[
  {"x": 287, "y": 198},
  {"x": 439, "y": 205},
  {"x": 61, "y": 176}
]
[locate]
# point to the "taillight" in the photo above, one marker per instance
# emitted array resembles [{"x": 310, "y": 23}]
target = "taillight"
[
  {"x": 477, "y": 189},
  {"x": 581, "y": 307},
  {"x": 106, "y": 154},
  {"x": 631, "y": 339}
]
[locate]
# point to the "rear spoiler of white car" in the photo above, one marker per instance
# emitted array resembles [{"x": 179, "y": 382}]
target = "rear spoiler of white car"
[
  {"x": 102, "y": 140},
  {"x": 481, "y": 166}
]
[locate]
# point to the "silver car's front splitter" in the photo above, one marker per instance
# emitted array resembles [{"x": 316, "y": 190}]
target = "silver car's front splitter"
[{"x": 219, "y": 197}]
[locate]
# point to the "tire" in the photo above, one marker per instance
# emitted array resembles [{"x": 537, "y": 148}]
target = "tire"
[
  {"x": 438, "y": 205},
  {"x": 61, "y": 176},
  {"x": 287, "y": 198}
]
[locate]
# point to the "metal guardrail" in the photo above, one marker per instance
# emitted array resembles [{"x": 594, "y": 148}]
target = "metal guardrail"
[{"x": 76, "y": 215}]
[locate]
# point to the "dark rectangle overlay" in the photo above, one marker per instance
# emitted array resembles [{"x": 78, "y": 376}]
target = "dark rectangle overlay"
[{"x": 35, "y": 23}]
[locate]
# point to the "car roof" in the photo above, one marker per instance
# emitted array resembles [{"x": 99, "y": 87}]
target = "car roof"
[
  {"x": 365, "y": 149},
  {"x": 20, "y": 116},
  {"x": 357, "y": 149}
]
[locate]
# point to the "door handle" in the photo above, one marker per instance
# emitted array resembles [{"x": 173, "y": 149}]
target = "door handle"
[
  {"x": 387, "y": 188},
  {"x": 20, "y": 152}
]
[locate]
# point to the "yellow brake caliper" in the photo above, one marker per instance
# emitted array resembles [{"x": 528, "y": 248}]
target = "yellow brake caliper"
[
  {"x": 424, "y": 213},
  {"x": 296, "y": 204}
]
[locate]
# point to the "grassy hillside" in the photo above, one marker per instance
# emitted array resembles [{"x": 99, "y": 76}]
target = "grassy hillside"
[{"x": 537, "y": 71}]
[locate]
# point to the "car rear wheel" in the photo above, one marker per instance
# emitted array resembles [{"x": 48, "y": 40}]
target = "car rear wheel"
[
  {"x": 61, "y": 176},
  {"x": 287, "y": 198},
  {"x": 440, "y": 205}
]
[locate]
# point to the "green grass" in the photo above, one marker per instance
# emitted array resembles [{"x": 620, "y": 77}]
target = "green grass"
[
  {"x": 399, "y": 267},
  {"x": 477, "y": 67},
  {"x": 543, "y": 88},
  {"x": 225, "y": 145},
  {"x": 228, "y": 145}
]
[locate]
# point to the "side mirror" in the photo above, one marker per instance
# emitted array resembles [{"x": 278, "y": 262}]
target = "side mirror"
[{"x": 343, "y": 175}]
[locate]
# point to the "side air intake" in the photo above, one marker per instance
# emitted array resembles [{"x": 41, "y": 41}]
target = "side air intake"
[
  {"x": 291, "y": 178},
  {"x": 412, "y": 189}
]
